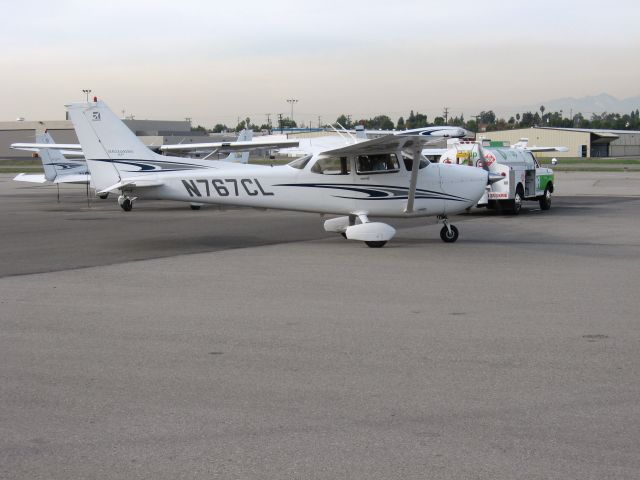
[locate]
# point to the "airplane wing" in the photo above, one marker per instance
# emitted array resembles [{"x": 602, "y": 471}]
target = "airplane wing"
[
  {"x": 34, "y": 147},
  {"x": 226, "y": 147},
  {"x": 388, "y": 143},
  {"x": 430, "y": 152},
  {"x": 30, "y": 177},
  {"x": 546, "y": 149}
]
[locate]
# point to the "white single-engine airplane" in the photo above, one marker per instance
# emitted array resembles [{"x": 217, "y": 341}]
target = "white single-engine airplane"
[{"x": 367, "y": 179}]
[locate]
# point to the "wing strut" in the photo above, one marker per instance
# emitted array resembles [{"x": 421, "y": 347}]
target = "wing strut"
[{"x": 416, "y": 152}]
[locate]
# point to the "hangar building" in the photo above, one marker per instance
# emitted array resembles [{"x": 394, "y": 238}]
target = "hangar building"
[{"x": 581, "y": 142}]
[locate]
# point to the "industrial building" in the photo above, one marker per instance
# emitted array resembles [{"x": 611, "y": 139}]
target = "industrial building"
[{"x": 581, "y": 142}]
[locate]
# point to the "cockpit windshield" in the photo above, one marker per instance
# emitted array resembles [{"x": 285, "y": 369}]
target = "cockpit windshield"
[
  {"x": 408, "y": 162},
  {"x": 301, "y": 162}
]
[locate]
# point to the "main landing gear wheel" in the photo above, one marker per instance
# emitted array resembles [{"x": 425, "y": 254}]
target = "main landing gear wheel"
[
  {"x": 104, "y": 196},
  {"x": 376, "y": 244},
  {"x": 344, "y": 234},
  {"x": 545, "y": 200},
  {"x": 449, "y": 236},
  {"x": 127, "y": 205}
]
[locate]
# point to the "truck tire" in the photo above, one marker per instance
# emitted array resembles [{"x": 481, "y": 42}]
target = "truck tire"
[
  {"x": 515, "y": 205},
  {"x": 545, "y": 199}
]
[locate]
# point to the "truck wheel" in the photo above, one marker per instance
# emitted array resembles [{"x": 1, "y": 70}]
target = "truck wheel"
[
  {"x": 516, "y": 203},
  {"x": 449, "y": 237},
  {"x": 545, "y": 199}
]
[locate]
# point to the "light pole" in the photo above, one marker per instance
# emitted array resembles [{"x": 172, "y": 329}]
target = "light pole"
[
  {"x": 86, "y": 91},
  {"x": 292, "y": 101}
]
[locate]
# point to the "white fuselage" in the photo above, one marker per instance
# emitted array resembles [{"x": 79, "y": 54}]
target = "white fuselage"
[{"x": 441, "y": 189}]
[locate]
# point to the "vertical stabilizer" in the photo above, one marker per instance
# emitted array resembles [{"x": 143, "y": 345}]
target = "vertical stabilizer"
[
  {"x": 246, "y": 135},
  {"x": 110, "y": 147}
]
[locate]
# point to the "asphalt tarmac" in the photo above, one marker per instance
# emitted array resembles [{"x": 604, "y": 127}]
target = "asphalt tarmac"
[{"x": 166, "y": 343}]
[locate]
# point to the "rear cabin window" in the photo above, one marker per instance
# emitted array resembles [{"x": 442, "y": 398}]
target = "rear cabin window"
[
  {"x": 379, "y": 163},
  {"x": 332, "y": 166}
]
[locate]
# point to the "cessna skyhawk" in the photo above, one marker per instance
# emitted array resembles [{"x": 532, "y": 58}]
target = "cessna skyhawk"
[{"x": 367, "y": 179}]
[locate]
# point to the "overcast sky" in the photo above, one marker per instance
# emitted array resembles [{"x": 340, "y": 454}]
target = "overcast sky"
[{"x": 216, "y": 61}]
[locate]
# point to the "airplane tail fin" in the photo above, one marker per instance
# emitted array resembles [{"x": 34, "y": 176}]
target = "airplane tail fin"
[
  {"x": 246, "y": 135},
  {"x": 111, "y": 149},
  {"x": 54, "y": 163}
]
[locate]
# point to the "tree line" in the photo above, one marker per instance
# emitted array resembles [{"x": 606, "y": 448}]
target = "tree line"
[{"x": 485, "y": 121}]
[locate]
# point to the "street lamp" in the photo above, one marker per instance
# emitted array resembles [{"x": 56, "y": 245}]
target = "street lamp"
[
  {"x": 86, "y": 92},
  {"x": 292, "y": 101}
]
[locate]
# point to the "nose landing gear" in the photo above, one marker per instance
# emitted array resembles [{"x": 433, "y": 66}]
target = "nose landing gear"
[{"x": 449, "y": 233}]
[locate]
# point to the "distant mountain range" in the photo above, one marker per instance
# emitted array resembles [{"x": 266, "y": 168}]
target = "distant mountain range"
[{"x": 585, "y": 105}]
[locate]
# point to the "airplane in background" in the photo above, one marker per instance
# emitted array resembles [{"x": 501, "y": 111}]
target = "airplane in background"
[
  {"x": 523, "y": 144},
  {"x": 238, "y": 150},
  {"x": 366, "y": 179},
  {"x": 57, "y": 168},
  {"x": 343, "y": 137}
]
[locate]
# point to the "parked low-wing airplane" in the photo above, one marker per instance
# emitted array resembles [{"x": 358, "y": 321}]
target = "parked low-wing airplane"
[{"x": 366, "y": 179}]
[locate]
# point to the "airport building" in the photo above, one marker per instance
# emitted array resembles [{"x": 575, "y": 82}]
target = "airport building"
[
  {"x": 151, "y": 132},
  {"x": 581, "y": 142}
]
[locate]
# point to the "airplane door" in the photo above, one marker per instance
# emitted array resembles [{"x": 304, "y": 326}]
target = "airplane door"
[{"x": 382, "y": 183}]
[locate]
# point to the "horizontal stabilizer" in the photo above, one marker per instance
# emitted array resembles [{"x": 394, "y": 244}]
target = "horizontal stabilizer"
[
  {"x": 132, "y": 182},
  {"x": 30, "y": 177}
]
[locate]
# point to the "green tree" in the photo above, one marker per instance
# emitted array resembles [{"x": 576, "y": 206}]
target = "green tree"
[
  {"x": 344, "y": 121},
  {"x": 401, "y": 125},
  {"x": 219, "y": 128},
  {"x": 487, "y": 117}
]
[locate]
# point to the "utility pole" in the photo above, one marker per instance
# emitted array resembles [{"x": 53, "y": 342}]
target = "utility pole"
[
  {"x": 477, "y": 117},
  {"x": 280, "y": 122},
  {"x": 319, "y": 121},
  {"x": 86, "y": 91},
  {"x": 292, "y": 101},
  {"x": 446, "y": 115},
  {"x": 348, "y": 125},
  {"x": 268, "y": 121}
]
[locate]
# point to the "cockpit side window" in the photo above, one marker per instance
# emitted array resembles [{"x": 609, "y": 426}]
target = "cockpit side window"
[
  {"x": 332, "y": 166},
  {"x": 377, "y": 163}
]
